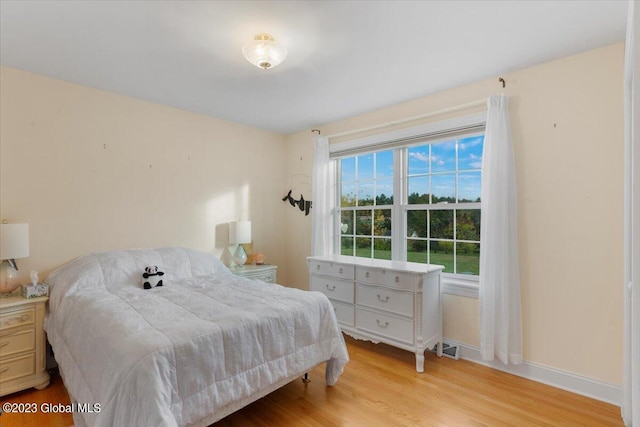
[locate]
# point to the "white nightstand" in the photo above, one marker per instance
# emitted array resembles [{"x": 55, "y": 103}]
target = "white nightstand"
[
  {"x": 22, "y": 344},
  {"x": 266, "y": 272}
]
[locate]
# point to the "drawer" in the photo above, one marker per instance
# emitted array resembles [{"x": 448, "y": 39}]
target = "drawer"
[
  {"x": 17, "y": 318},
  {"x": 327, "y": 268},
  {"x": 396, "y": 301},
  {"x": 267, "y": 277},
  {"x": 17, "y": 342},
  {"x": 335, "y": 289},
  {"x": 17, "y": 367},
  {"x": 385, "y": 325},
  {"x": 344, "y": 312},
  {"x": 380, "y": 276}
]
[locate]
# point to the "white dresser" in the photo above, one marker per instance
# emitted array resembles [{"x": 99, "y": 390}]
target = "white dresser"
[{"x": 397, "y": 303}]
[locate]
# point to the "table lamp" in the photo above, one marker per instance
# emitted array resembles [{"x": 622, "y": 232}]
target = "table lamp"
[{"x": 14, "y": 243}]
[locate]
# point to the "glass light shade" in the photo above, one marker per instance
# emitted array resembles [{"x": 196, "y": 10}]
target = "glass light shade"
[
  {"x": 264, "y": 52},
  {"x": 9, "y": 278}
]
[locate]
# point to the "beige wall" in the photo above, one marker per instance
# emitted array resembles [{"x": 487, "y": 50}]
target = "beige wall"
[
  {"x": 567, "y": 121},
  {"x": 92, "y": 171}
]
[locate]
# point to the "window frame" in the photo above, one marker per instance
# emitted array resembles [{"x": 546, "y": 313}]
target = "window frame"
[{"x": 400, "y": 141}]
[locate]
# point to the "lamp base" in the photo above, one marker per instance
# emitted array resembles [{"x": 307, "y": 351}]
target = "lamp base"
[
  {"x": 9, "y": 278},
  {"x": 240, "y": 256},
  {"x": 226, "y": 257}
]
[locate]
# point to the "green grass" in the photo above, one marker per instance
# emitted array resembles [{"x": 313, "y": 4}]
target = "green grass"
[{"x": 467, "y": 264}]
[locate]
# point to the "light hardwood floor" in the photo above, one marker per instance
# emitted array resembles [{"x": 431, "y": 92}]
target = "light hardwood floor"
[{"x": 381, "y": 388}]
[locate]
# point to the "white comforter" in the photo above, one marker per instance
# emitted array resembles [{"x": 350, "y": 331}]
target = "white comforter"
[{"x": 188, "y": 353}]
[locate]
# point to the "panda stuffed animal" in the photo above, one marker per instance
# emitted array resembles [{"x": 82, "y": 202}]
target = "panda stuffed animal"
[{"x": 152, "y": 277}]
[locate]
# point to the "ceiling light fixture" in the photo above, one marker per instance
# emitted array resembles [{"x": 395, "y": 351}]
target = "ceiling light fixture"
[{"x": 264, "y": 52}]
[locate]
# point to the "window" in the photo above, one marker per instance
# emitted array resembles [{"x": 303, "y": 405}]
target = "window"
[
  {"x": 418, "y": 201},
  {"x": 366, "y": 202},
  {"x": 443, "y": 204}
]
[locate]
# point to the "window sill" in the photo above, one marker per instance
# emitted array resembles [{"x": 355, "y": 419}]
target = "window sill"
[{"x": 463, "y": 288}]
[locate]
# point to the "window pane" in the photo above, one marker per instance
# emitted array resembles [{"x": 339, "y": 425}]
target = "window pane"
[
  {"x": 470, "y": 153},
  {"x": 418, "y": 160},
  {"x": 416, "y": 223},
  {"x": 469, "y": 187},
  {"x": 365, "y": 193},
  {"x": 382, "y": 248},
  {"x": 441, "y": 253},
  {"x": 418, "y": 190},
  {"x": 443, "y": 188},
  {"x": 365, "y": 166},
  {"x": 348, "y": 195},
  {"x": 348, "y": 169},
  {"x": 468, "y": 258},
  {"x": 346, "y": 246},
  {"x": 417, "y": 251},
  {"x": 382, "y": 222},
  {"x": 363, "y": 223},
  {"x": 441, "y": 226},
  {"x": 468, "y": 224},
  {"x": 384, "y": 164},
  {"x": 384, "y": 192},
  {"x": 346, "y": 222},
  {"x": 363, "y": 247},
  {"x": 443, "y": 156}
]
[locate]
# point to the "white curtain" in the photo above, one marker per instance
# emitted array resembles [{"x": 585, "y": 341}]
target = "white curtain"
[
  {"x": 631, "y": 378},
  {"x": 322, "y": 187},
  {"x": 500, "y": 319}
]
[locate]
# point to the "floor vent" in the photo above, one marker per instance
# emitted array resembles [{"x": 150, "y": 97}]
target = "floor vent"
[{"x": 452, "y": 351}]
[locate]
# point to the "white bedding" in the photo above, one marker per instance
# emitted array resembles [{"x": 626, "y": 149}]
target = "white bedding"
[{"x": 187, "y": 353}]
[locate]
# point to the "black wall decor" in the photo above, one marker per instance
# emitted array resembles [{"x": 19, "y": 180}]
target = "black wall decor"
[{"x": 303, "y": 205}]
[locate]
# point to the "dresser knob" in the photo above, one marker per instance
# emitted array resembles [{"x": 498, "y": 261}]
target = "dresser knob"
[
  {"x": 382, "y": 324},
  {"x": 4, "y": 344},
  {"x": 4, "y": 369},
  {"x": 385, "y": 299},
  {"x": 397, "y": 279},
  {"x": 366, "y": 274},
  {"x": 340, "y": 270},
  {"x": 333, "y": 288},
  {"x": 317, "y": 266}
]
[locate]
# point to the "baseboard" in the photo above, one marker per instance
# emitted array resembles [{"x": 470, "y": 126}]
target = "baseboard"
[{"x": 547, "y": 375}]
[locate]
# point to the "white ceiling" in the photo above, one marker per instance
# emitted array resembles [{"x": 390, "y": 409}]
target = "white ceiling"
[{"x": 345, "y": 57}]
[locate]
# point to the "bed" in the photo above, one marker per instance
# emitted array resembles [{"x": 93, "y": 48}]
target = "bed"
[{"x": 188, "y": 353}]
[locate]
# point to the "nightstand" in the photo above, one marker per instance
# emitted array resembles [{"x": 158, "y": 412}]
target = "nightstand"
[
  {"x": 22, "y": 344},
  {"x": 265, "y": 272}
]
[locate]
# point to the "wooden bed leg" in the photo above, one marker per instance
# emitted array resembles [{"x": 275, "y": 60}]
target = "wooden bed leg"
[{"x": 305, "y": 378}]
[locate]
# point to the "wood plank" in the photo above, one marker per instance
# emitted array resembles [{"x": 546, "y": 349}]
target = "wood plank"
[{"x": 381, "y": 387}]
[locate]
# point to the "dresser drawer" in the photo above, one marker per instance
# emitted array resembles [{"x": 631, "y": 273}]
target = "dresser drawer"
[
  {"x": 17, "y": 367},
  {"x": 344, "y": 312},
  {"x": 17, "y": 342},
  {"x": 333, "y": 269},
  {"x": 385, "y": 325},
  {"x": 17, "y": 318},
  {"x": 379, "y": 276},
  {"x": 396, "y": 301},
  {"x": 336, "y": 289}
]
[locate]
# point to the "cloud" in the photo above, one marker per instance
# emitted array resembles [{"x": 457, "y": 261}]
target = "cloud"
[
  {"x": 471, "y": 142},
  {"x": 476, "y": 165},
  {"x": 420, "y": 156}
]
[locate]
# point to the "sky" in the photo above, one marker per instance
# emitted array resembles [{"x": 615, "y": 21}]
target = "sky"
[{"x": 431, "y": 169}]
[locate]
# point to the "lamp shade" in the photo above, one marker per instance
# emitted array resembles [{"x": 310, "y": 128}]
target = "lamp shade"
[
  {"x": 264, "y": 52},
  {"x": 14, "y": 241},
  {"x": 240, "y": 232}
]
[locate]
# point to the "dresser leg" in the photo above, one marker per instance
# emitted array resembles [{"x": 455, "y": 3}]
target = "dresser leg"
[{"x": 420, "y": 361}]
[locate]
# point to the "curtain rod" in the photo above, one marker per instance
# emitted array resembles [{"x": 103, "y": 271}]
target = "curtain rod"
[{"x": 410, "y": 119}]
